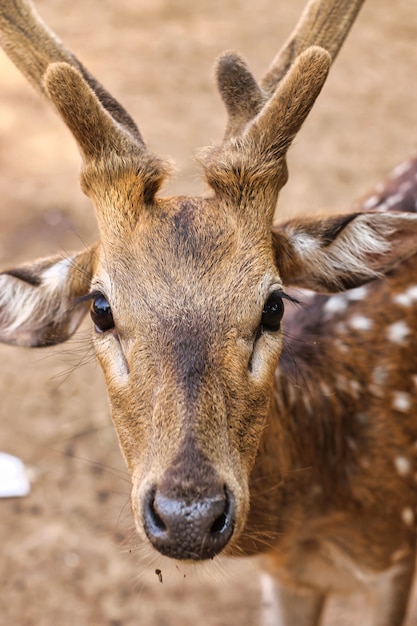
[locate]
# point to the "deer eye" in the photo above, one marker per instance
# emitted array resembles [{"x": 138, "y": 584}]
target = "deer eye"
[
  {"x": 101, "y": 314},
  {"x": 273, "y": 312}
]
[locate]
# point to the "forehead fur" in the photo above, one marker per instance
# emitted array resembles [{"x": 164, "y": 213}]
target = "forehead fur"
[
  {"x": 185, "y": 254},
  {"x": 189, "y": 233}
]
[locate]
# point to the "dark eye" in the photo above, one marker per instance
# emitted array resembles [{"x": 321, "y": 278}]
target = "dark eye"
[
  {"x": 101, "y": 314},
  {"x": 272, "y": 312}
]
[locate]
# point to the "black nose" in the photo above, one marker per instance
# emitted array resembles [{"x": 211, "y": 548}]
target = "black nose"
[{"x": 196, "y": 529}]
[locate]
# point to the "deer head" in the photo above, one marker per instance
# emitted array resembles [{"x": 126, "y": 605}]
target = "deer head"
[{"x": 187, "y": 294}]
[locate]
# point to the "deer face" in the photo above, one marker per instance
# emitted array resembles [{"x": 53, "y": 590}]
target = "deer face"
[{"x": 187, "y": 311}]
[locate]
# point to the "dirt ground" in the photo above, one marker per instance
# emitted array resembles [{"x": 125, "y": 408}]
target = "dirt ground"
[{"x": 69, "y": 555}]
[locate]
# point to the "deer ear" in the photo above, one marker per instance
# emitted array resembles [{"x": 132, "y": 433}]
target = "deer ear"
[
  {"x": 37, "y": 300},
  {"x": 338, "y": 253}
]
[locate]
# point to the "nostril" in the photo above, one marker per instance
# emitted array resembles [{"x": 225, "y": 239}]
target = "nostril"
[
  {"x": 219, "y": 524},
  {"x": 223, "y": 521},
  {"x": 152, "y": 519}
]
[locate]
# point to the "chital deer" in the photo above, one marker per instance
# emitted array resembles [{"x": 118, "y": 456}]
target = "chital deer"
[{"x": 310, "y": 461}]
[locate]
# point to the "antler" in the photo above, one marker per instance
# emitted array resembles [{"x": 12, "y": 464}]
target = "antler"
[
  {"x": 324, "y": 23},
  {"x": 263, "y": 119},
  {"x": 252, "y": 156},
  {"x": 110, "y": 141}
]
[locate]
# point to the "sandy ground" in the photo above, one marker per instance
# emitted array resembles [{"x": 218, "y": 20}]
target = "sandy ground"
[{"x": 69, "y": 555}]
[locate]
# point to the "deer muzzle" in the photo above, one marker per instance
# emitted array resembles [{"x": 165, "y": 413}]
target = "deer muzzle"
[{"x": 189, "y": 527}]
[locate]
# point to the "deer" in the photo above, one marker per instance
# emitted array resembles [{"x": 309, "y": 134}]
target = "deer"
[{"x": 262, "y": 374}]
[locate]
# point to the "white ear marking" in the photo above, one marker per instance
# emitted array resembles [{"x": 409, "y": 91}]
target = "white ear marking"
[{"x": 57, "y": 273}]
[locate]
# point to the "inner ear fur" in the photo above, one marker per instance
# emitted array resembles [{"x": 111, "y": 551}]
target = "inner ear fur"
[
  {"x": 38, "y": 301},
  {"x": 341, "y": 252}
]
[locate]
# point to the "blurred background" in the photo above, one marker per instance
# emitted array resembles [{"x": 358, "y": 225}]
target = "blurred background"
[{"x": 69, "y": 554}]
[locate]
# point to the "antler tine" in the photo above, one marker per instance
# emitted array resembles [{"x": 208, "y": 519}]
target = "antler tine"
[
  {"x": 32, "y": 47},
  {"x": 254, "y": 160},
  {"x": 323, "y": 23},
  {"x": 264, "y": 119}
]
